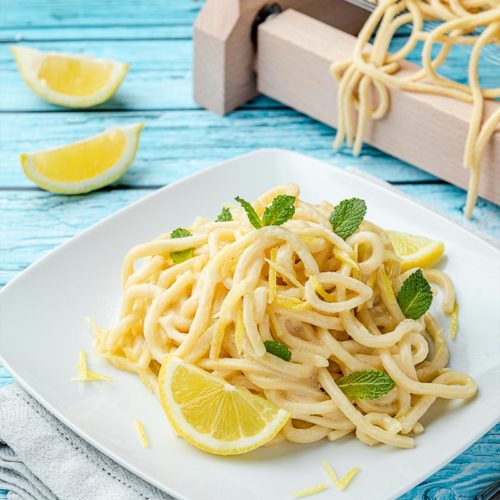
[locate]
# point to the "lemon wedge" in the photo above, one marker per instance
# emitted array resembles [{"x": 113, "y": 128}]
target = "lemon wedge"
[
  {"x": 214, "y": 415},
  {"x": 85, "y": 165},
  {"x": 415, "y": 251},
  {"x": 70, "y": 80}
]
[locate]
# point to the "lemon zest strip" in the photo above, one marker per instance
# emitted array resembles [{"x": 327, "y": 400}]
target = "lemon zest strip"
[
  {"x": 272, "y": 277},
  {"x": 454, "y": 321},
  {"x": 345, "y": 259},
  {"x": 276, "y": 325},
  {"x": 273, "y": 266},
  {"x": 291, "y": 303},
  {"x": 386, "y": 284},
  {"x": 321, "y": 291},
  {"x": 86, "y": 375},
  {"x": 309, "y": 491},
  {"x": 344, "y": 482},
  {"x": 145, "y": 380},
  {"x": 142, "y": 433}
]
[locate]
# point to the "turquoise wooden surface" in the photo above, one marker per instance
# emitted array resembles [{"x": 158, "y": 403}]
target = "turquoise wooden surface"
[{"x": 154, "y": 36}]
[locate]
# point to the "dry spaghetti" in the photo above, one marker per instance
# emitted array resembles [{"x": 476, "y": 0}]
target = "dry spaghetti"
[
  {"x": 373, "y": 67},
  {"x": 330, "y": 301}
]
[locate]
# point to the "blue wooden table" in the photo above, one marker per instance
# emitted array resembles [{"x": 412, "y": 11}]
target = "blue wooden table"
[{"x": 154, "y": 36}]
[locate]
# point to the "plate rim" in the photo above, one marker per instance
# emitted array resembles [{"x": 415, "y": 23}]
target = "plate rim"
[{"x": 262, "y": 151}]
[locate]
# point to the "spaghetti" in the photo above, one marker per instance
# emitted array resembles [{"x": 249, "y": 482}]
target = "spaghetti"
[
  {"x": 373, "y": 68},
  {"x": 330, "y": 301}
]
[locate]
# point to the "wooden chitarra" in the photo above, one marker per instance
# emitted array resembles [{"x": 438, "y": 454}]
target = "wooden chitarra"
[{"x": 290, "y": 62}]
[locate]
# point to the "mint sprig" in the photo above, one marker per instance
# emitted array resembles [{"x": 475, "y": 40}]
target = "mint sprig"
[
  {"x": 181, "y": 255},
  {"x": 415, "y": 295},
  {"x": 251, "y": 213},
  {"x": 224, "y": 216},
  {"x": 277, "y": 348},
  {"x": 347, "y": 216},
  {"x": 366, "y": 384},
  {"x": 281, "y": 209}
]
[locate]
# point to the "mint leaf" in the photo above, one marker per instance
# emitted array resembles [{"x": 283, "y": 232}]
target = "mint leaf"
[
  {"x": 181, "y": 255},
  {"x": 252, "y": 215},
  {"x": 224, "y": 216},
  {"x": 366, "y": 384},
  {"x": 280, "y": 210},
  {"x": 415, "y": 295},
  {"x": 180, "y": 232},
  {"x": 277, "y": 348},
  {"x": 347, "y": 216}
]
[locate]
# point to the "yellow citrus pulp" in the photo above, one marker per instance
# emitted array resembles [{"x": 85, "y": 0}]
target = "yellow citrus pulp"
[
  {"x": 416, "y": 251},
  {"x": 214, "y": 415},
  {"x": 70, "y": 80},
  {"x": 85, "y": 165}
]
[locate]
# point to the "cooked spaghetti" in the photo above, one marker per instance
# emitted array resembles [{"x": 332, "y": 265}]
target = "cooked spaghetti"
[
  {"x": 464, "y": 22},
  {"x": 223, "y": 293}
]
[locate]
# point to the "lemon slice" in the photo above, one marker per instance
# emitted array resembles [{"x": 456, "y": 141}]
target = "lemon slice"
[
  {"x": 85, "y": 165},
  {"x": 214, "y": 415},
  {"x": 415, "y": 251},
  {"x": 69, "y": 80}
]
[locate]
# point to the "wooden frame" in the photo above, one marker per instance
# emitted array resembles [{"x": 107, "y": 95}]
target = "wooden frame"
[
  {"x": 295, "y": 52},
  {"x": 224, "y": 56}
]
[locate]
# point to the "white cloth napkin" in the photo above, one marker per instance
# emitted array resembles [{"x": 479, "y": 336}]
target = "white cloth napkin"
[{"x": 41, "y": 459}]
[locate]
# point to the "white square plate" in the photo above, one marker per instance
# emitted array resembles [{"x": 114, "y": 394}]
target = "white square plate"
[{"x": 42, "y": 330}]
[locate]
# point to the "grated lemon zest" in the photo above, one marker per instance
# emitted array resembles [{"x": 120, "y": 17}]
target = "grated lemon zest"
[
  {"x": 320, "y": 290},
  {"x": 86, "y": 375},
  {"x": 345, "y": 259},
  {"x": 93, "y": 376},
  {"x": 371, "y": 280},
  {"x": 145, "y": 380},
  {"x": 286, "y": 274},
  {"x": 142, "y": 434},
  {"x": 96, "y": 330},
  {"x": 272, "y": 277},
  {"x": 291, "y": 303},
  {"x": 309, "y": 491},
  {"x": 454, "y": 321},
  {"x": 385, "y": 282},
  {"x": 340, "y": 484},
  {"x": 276, "y": 325},
  {"x": 240, "y": 330},
  {"x": 82, "y": 366},
  {"x": 356, "y": 274}
]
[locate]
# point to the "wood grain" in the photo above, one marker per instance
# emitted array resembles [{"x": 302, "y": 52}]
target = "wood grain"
[
  {"x": 94, "y": 19},
  {"x": 224, "y": 54},
  {"x": 160, "y": 75},
  {"x": 429, "y": 131},
  {"x": 176, "y": 143}
]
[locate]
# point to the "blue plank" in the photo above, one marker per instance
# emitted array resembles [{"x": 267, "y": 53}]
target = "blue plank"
[
  {"x": 5, "y": 377},
  {"x": 450, "y": 201},
  {"x": 466, "y": 476},
  {"x": 159, "y": 78},
  {"x": 177, "y": 143},
  {"x": 125, "y": 19},
  {"x": 160, "y": 75}
]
